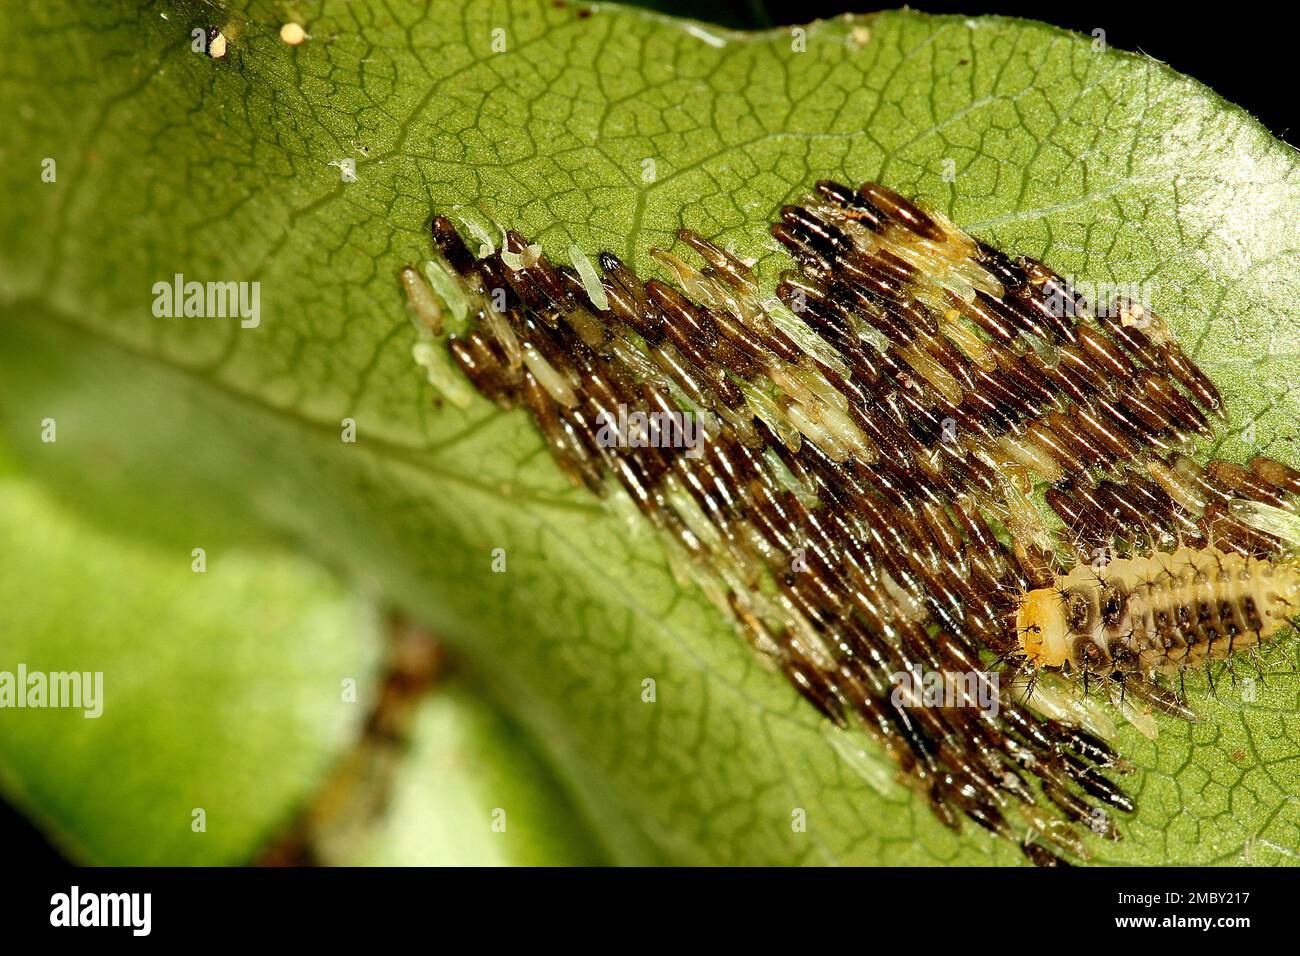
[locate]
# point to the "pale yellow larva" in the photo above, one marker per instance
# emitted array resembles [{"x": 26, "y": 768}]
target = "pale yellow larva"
[{"x": 1157, "y": 614}]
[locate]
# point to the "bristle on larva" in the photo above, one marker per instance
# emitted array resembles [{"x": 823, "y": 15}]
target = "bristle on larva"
[{"x": 848, "y": 469}]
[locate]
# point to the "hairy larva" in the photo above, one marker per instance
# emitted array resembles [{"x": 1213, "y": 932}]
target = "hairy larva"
[
  {"x": 1143, "y": 617},
  {"x": 858, "y": 496}
]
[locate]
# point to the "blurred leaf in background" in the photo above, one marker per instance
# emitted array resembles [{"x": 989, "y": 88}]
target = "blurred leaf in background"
[
  {"x": 466, "y": 790},
  {"x": 223, "y": 702}
]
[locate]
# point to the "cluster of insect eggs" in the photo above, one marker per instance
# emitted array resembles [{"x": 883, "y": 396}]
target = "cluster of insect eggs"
[{"x": 865, "y": 433}]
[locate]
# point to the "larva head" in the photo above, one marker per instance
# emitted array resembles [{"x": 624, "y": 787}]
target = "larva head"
[{"x": 1040, "y": 628}]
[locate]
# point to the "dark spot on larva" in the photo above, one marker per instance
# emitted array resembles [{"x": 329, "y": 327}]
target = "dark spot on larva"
[
  {"x": 1078, "y": 611},
  {"x": 1122, "y": 656},
  {"x": 1090, "y": 656},
  {"x": 1204, "y": 616},
  {"x": 1228, "y": 618},
  {"x": 1162, "y": 618},
  {"x": 1251, "y": 613},
  {"x": 1114, "y": 602}
]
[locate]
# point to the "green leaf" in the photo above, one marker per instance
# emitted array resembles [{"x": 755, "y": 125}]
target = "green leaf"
[
  {"x": 1105, "y": 164},
  {"x": 205, "y": 699}
]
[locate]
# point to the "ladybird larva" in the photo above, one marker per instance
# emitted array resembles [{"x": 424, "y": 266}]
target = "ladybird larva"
[{"x": 1156, "y": 615}]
